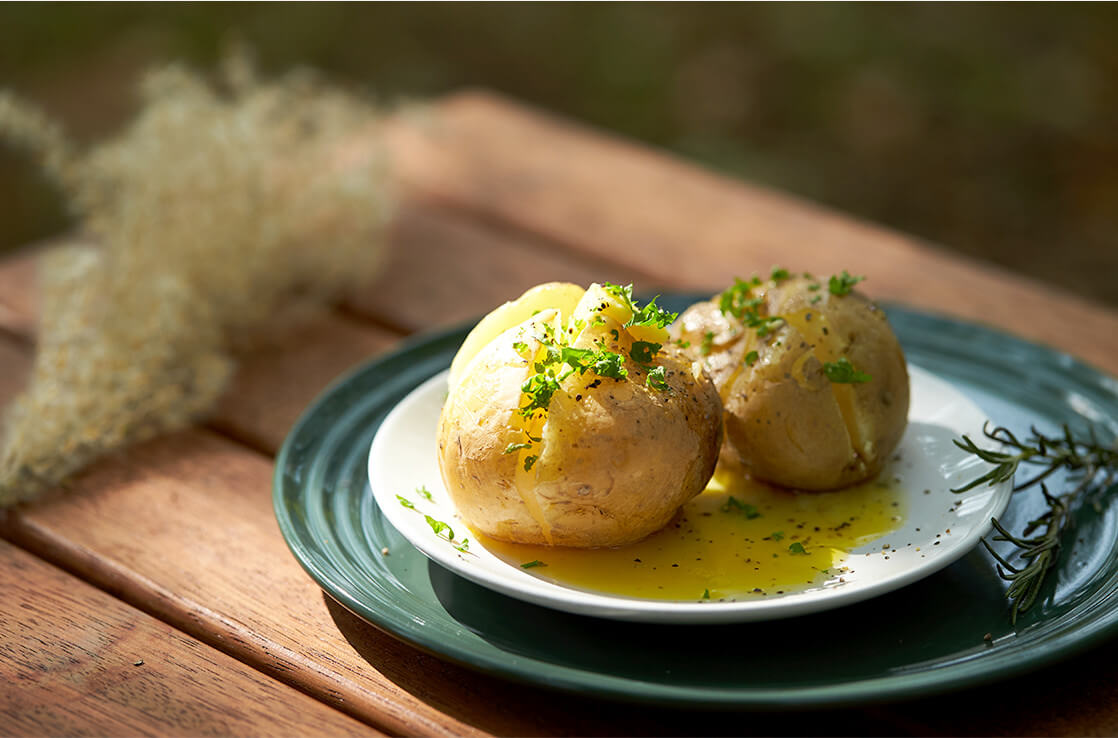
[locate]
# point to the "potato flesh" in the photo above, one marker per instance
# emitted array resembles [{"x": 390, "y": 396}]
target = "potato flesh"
[
  {"x": 616, "y": 459},
  {"x": 561, "y": 296}
]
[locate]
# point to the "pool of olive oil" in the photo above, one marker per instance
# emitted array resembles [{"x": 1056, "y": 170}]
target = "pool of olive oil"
[{"x": 740, "y": 539}]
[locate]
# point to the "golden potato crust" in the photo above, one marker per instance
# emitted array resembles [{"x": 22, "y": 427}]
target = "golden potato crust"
[
  {"x": 785, "y": 419},
  {"x": 615, "y": 458}
]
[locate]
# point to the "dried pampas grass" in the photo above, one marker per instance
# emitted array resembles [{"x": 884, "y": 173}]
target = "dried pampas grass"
[{"x": 215, "y": 210}]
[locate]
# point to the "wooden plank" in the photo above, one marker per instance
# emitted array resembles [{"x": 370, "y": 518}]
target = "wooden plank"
[
  {"x": 645, "y": 210},
  {"x": 75, "y": 661},
  {"x": 444, "y": 267},
  {"x": 183, "y": 528},
  {"x": 277, "y": 380}
]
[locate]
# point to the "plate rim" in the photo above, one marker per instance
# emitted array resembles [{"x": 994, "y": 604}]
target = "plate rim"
[{"x": 990, "y": 665}]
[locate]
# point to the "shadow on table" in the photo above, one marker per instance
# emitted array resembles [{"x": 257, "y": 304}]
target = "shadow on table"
[{"x": 505, "y": 707}]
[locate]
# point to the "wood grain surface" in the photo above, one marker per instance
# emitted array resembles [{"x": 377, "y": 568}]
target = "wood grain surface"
[
  {"x": 687, "y": 227},
  {"x": 496, "y": 199},
  {"x": 76, "y": 661}
]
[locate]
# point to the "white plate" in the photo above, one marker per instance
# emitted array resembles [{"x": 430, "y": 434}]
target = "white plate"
[{"x": 403, "y": 458}]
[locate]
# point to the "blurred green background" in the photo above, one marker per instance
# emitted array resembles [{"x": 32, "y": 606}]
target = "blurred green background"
[{"x": 989, "y": 129}]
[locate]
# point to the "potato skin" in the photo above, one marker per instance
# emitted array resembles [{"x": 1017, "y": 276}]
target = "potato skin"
[
  {"x": 616, "y": 461},
  {"x": 785, "y": 420}
]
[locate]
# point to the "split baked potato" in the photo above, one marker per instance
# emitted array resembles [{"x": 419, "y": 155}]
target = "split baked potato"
[
  {"x": 812, "y": 379},
  {"x": 570, "y": 420}
]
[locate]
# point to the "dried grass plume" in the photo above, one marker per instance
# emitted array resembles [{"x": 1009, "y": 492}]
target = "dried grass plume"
[{"x": 219, "y": 206}]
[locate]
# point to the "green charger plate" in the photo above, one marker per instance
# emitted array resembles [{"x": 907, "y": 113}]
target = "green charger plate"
[{"x": 925, "y": 638}]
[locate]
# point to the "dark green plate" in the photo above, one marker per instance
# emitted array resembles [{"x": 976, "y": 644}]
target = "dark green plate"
[{"x": 924, "y": 638}]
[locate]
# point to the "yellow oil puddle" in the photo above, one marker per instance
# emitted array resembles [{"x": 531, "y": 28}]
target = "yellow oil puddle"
[{"x": 739, "y": 539}]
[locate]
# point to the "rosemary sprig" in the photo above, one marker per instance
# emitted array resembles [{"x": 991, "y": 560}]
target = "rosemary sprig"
[{"x": 1087, "y": 461}]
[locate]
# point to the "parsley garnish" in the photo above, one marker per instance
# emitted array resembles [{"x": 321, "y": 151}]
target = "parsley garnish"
[
  {"x": 657, "y": 380},
  {"x": 539, "y": 388},
  {"x": 424, "y": 492},
  {"x": 519, "y": 347},
  {"x": 708, "y": 342},
  {"x": 777, "y": 535},
  {"x": 405, "y": 502},
  {"x": 651, "y": 314},
  {"x": 514, "y": 447},
  {"x": 797, "y": 548},
  {"x": 529, "y": 462},
  {"x": 843, "y": 284},
  {"x": 751, "y": 358},
  {"x": 440, "y": 527},
  {"x": 843, "y": 372},
  {"x": 532, "y": 564},
  {"x": 735, "y": 300},
  {"x": 765, "y": 325},
  {"x": 706, "y": 594},
  {"x": 733, "y": 504},
  {"x": 642, "y": 352},
  {"x": 779, "y": 275},
  {"x": 464, "y": 545}
]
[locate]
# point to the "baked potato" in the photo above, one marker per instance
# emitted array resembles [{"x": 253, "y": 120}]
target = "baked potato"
[
  {"x": 812, "y": 379},
  {"x": 571, "y": 421}
]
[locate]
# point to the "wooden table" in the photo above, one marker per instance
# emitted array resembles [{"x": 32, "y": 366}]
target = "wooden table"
[{"x": 158, "y": 596}]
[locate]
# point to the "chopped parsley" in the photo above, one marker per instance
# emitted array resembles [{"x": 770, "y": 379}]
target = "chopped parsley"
[
  {"x": 519, "y": 347},
  {"x": 779, "y": 275},
  {"x": 843, "y": 372},
  {"x": 797, "y": 548},
  {"x": 642, "y": 352},
  {"x": 707, "y": 344},
  {"x": 424, "y": 492},
  {"x": 601, "y": 361},
  {"x": 657, "y": 380},
  {"x": 530, "y": 461},
  {"x": 706, "y": 594},
  {"x": 440, "y": 528},
  {"x": 650, "y": 315},
  {"x": 751, "y": 358},
  {"x": 734, "y": 505},
  {"x": 532, "y": 564},
  {"x": 538, "y": 388},
  {"x": 777, "y": 535},
  {"x": 765, "y": 325},
  {"x": 842, "y": 284},
  {"x": 653, "y": 315},
  {"x": 560, "y": 360},
  {"x": 514, "y": 447},
  {"x": 735, "y": 300}
]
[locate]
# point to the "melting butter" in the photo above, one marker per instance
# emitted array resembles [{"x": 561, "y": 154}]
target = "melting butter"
[{"x": 739, "y": 539}]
